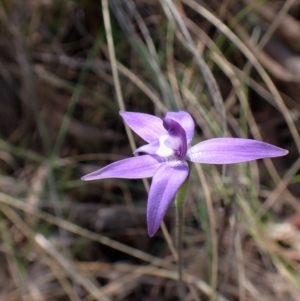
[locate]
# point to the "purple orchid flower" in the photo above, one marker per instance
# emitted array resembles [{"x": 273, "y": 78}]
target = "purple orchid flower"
[{"x": 167, "y": 152}]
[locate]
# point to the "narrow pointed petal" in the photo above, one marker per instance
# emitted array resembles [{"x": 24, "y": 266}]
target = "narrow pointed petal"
[
  {"x": 186, "y": 121},
  {"x": 131, "y": 168},
  {"x": 232, "y": 150},
  {"x": 165, "y": 184},
  {"x": 150, "y": 148},
  {"x": 148, "y": 127}
]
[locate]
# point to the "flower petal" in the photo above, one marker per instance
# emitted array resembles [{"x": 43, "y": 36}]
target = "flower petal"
[
  {"x": 150, "y": 148},
  {"x": 148, "y": 127},
  {"x": 177, "y": 137},
  {"x": 232, "y": 150},
  {"x": 186, "y": 121},
  {"x": 165, "y": 184},
  {"x": 131, "y": 168}
]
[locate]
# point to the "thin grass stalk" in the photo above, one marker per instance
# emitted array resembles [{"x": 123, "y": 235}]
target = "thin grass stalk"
[
  {"x": 146, "y": 52},
  {"x": 114, "y": 67},
  {"x": 213, "y": 227},
  {"x": 206, "y": 73},
  {"x": 179, "y": 204},
  {"x": 251, "y": 57},
  {"x": 155, "y": 261}
]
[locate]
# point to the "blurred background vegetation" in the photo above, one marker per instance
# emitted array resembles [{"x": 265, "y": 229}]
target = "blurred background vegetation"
[{"x": 67, "y": 68}]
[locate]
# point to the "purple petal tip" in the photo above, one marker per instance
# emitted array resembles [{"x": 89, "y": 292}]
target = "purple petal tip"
[{"x": 151, "y": 233}]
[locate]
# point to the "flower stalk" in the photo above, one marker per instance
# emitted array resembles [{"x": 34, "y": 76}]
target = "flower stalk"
[{"x": 179, "y": 204}]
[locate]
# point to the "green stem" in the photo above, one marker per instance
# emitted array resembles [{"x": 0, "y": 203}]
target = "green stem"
[
  {"x": 179, "y": 225},
  {"x": 179, "y": 202}
]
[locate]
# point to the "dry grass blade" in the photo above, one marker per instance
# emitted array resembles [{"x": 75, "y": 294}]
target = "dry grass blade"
[
  {"x": 121, "y": 101},
  {"x": 111, "y": 49},
  {"x": 48, "y": 248},
  {"x": 139, "y": 83},
  {"x": 200, "y": 284},
  {"x": 224, "y": 29},
  {"x": 279, "y": 190},
  {"x": 62, "y": 278},
  {"x": 149, "y": 270},
  {"x": 213, "y": 228},
  {"x": 207, "y": 75},
  {"x": 66, "y": 69}
]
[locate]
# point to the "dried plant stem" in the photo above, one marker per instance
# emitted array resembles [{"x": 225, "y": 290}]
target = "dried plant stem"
[
  {"x": 113, "y": 62},
  {"x": 114, "y": 67},
  {"x": 253, "y": 59},
  {"x": 213, "y": 233},
  {"x": 206, "y": 73},
  {"x": 155, "y": 261}
]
